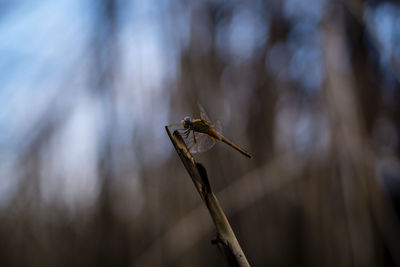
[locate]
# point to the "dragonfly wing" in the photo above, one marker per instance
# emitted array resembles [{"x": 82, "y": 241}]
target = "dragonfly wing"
[
  {"x": 203, "y": 142},
  {"x": 189, "y": 141},
  {"x": 203, "y": 113}
]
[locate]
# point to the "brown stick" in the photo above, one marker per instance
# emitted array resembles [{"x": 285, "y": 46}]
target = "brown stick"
[{"x": 226, "y": 239}]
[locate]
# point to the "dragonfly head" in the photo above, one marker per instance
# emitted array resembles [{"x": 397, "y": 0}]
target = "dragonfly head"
[{"x": 186, "y": 122}]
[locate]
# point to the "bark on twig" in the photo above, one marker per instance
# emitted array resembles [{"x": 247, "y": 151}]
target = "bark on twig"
[{"x": 226, "y": 239}]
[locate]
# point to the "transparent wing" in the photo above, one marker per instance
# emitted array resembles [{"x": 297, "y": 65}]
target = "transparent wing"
[
  {"x": 203, "y": 113},
  {"x": 203, "y": 142},
  {"x": 189, "y": 141}
]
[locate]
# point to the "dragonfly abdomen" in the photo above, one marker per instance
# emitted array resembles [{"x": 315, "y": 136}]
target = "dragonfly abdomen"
[{"x": 228, "y": 142}]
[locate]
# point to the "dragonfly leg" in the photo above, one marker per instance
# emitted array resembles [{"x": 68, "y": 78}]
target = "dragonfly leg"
[
  {"x": 186, "y": 133},
  {"x": 194, "y": 138},
  {"x": 194, "y": 142}
]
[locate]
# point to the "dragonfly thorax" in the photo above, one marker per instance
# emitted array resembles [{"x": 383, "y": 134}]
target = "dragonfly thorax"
[{"x": 187, "y": 122}]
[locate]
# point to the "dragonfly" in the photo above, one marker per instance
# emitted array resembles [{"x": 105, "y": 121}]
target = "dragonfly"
[{"x": 200, "y": 135}]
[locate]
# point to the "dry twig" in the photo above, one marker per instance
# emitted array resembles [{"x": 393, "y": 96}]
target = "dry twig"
[{"x": 226, "y": 239}]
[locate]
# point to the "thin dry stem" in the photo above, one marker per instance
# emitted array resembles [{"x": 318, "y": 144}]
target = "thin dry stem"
[{"x": 226, "y": 239}]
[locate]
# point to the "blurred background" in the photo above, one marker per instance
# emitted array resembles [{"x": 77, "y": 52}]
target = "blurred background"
[{"x": 89, "y": 177}]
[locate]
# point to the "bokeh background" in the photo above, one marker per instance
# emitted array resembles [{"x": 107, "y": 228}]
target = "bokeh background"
[{"x": 309, "y": 87}]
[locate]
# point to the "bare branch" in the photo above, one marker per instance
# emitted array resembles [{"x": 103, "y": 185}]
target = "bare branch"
[{"x": 226, "y": 239}]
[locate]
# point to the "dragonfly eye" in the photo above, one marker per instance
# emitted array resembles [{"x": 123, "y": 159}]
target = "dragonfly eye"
[{"x": 186, "y": 122}]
